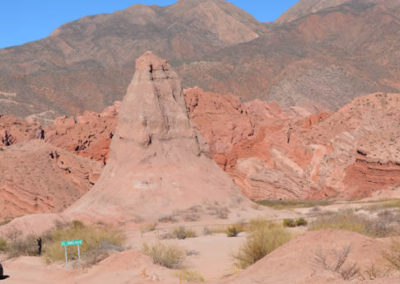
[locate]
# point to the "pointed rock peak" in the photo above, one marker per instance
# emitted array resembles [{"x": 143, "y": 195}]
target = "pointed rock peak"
[
  {"x": 149, "y": 61},
  {"x": 155, "y": 166}
]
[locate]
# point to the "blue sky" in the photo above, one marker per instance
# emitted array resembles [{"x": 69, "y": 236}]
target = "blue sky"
[{"x": 27, "y": 20}]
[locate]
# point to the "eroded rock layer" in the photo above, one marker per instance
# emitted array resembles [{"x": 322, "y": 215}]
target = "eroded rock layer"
[{"x": 37, "y": 178}]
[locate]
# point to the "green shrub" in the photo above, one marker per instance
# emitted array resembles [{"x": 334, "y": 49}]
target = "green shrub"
[
  {"x": 301, "y": 222},
  {"x": 182, "y": 233},
  {"x": 167, "y": 255},
  {"x": 262, "y": 239},
  {"x": 289, "y": 223},
  {"x": 95, "y": 240},
  {"x": 234, "y": 230},
  {"x": 3, "y": 245}
]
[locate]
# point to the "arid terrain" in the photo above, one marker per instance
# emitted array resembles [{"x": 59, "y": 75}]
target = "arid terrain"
[{"x": 191, "y": 143}]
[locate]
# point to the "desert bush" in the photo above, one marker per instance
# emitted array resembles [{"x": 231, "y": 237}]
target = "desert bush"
[
  {"x": 167, "y": 255},
  {"x": 289, "y": 223},
  {"x": 95, "y": 240},
  {"x": 182, "y": 233},
  {"x": 263, "y": 238},
  {"x": 289, "y": 204},
  {"x": 190, "y": 276},
  {"x": 3, "y": 245},
  {"x": 22, "y": 246},
  {"x": 168, "y": 219},
  {"x": 234, "y": 230},
  {"x": 350, "y": 221},
  {"x": 337, "y": 264},
  {"x": 301, "y": 222}
]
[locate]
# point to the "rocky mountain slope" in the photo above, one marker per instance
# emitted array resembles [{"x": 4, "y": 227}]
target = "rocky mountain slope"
[
  {"x": 87, "y": 64},
  {"x": 319, "y": 52}
]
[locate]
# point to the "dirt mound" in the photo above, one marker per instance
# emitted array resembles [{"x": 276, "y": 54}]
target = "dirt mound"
[
  {"x": 315, "y": 257},
  {"x": 157, "y": 166},
  {"x": 37, "y": 177}
]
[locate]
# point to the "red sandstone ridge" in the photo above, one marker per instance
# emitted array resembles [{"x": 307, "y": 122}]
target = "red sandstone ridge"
[
  {"x": 157, "y": 166},
  {"x": 37, "y": 178},
  {"x": 88, "y": 135},
  {"x": 14, "y": 130},
  {"x": 274, "y": 154}
]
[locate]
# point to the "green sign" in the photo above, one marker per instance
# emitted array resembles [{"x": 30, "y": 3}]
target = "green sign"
[{"x": 71, "y": 243}]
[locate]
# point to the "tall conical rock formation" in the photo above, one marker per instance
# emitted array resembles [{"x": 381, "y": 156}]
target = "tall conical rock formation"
[{"x": 157, "y": 166}]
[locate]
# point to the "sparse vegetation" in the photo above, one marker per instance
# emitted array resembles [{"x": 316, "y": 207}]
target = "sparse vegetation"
[
  {"x": 381, "y": 226},
  {"x": 22, "y": 246},
  {"x": 337, "y": 264},
  {"x": 167, "y": 255},
  {"x": 182, "y": 233},
  {"x": 301, "y": 222},
  {"x": 289, "y": 204},
  {"x": 96, "y": 241},
  {"x": 3, "y": 245},
  {"x": 294, "y": 223},
  {"x": 168, "y": 219},
  {"x": 289, "y": 223},
  {"x": 234, "y": 230},
  {"x": 385, "y": 204},
  {"x": 264, "y": 237},
  {"x": 190, "y": 275}
]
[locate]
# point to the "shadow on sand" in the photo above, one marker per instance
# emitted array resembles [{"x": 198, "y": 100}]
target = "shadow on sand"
[{"x": 4, "y": 277}]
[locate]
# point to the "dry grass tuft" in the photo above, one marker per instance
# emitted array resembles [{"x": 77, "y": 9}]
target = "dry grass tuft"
[
  {"x": 167, "y": 255},
  {"x": 382, "y": 226},
  {"x": 264, "y": 237},
  {"x": 190, "y": 276}
]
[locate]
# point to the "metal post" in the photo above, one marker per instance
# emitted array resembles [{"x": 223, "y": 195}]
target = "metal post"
[
  {"x": 79, "y": 253},
  {"x": 66, "y": 256}
]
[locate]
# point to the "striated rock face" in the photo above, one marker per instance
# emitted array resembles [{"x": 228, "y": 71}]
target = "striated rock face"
[
  {"x": 156, "y": 157},
  {"x": 291, "y": 154},
  {"x": 39, "y": 178}
]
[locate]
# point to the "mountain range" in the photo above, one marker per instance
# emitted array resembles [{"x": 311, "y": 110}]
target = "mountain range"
[{"x": 319, "y": 54}]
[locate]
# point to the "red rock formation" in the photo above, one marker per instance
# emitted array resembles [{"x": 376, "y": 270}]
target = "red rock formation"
[
  {"x": 37, "y": 178},
  {"x": 156, "y": 166},
  {"x": 275, "y": 154},
  {"x": 88, "y": 135},
  {"x": 14, "y": 130}
]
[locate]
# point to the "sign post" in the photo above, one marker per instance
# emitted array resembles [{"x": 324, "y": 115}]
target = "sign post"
[{"x": 66, "y": 244}]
